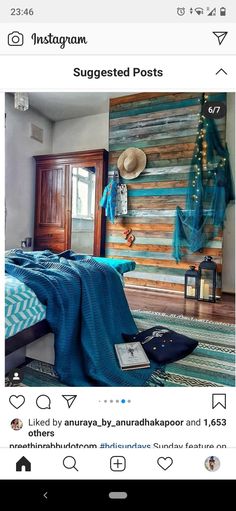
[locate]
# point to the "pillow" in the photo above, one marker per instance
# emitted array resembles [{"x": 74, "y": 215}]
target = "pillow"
[{"x": 163, "y": 345}]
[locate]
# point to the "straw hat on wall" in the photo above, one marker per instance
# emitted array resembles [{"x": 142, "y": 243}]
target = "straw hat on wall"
[{"x": 131, "y": 163}]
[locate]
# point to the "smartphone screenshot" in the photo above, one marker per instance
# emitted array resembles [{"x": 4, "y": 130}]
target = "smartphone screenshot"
[{"x": 117, "y": 232}]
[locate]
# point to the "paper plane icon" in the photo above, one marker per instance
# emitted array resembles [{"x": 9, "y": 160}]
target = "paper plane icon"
[
  {"x": 70, "y": 399},
  {"x": 220, "y": 36}
]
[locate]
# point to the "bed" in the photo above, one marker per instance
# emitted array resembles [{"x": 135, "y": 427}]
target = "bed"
[
  {"x": 25, "y": 316},
  {"x": 87, "y": 311}
]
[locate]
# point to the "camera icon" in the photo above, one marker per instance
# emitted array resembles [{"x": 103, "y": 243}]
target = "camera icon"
[{"x": 15, "y": 39}]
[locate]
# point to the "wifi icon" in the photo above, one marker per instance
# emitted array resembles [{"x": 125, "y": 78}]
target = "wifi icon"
[{"x": 199, "y": 10}]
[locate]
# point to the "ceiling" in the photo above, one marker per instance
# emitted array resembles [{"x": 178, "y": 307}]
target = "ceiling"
[{"x": 58, "y": 106}]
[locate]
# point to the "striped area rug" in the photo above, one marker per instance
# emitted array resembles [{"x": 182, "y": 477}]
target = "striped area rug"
[{"x": 212, "y": 364}]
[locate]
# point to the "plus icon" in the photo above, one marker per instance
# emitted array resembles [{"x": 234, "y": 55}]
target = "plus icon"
[{"x": 117, "y": 463}]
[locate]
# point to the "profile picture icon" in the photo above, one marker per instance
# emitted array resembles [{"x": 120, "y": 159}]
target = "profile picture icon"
[
  {"x": 16, "y": 376},
  {"x": 16, "y": 424},
  {"x": 212, "y": 463}
]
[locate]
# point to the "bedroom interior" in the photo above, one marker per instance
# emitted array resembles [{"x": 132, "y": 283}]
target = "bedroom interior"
[{"x": 135, "y": 192}]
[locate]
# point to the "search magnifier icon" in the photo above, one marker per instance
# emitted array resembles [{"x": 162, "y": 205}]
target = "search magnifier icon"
[{"x": 70, "y": 462}]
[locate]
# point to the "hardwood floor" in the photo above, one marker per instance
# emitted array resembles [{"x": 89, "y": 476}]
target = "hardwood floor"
[{"x": 158, "y": 301}]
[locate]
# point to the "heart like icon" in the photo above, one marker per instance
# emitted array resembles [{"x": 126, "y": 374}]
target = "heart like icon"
[
  {"x": 17, "y": 401},
  {"x": 165, "y": 463}
]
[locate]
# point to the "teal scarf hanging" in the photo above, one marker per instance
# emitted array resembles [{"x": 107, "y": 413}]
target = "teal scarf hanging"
[
  {"x": 209, "y": 191},
  {"x": 108, "y": 200}
]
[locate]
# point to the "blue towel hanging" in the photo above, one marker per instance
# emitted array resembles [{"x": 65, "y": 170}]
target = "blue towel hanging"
[{"x": 108, "y": 200}]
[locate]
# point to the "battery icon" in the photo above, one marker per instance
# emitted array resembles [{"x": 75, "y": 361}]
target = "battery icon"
[{"x": 222, "y": 11}]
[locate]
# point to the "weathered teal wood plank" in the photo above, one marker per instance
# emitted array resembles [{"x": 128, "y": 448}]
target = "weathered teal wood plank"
[
  {"x": 154, "y": 161},
  {"x": 159, "y": 135},
  {"x": 153, "y": 177},
  {"x": 154, "y": 143},
  {"x": 160, "y": 127},
  {"x": 153, "y": 192},
  {"x": 140, "y": 240},
  {"x": 158, "y": 269},
  {"x": 162, "y": 277},
  {"x": 169, "y": 97},
  {"x": 154, "y": 108},
  {"x": 152, "y": 168},
  {"x": 151, "y": 126},
  {"x": 155, "y": 116},
  {"x": 158, "y": 192},
  {"x": 193, "y": 257},
  {"x": 156, "y": 178},
  {"x": 144, "y": 220},
  {"x": 157, "y": 241},
  {"x": 168, "y": 234},
  {"x": 157, "y": 123},
  {"x": 165, "y": 137},
  {"x": 157, "y": 212},
  {"x": 155, "y": 171},
  {"x": 151, "y": 213},
  {"x": 164, "y": 133},
  {"x": 138, "y": 253}
]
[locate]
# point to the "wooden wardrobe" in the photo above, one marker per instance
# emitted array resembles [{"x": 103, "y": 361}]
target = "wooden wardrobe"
[{"x": 53, "y": 199}]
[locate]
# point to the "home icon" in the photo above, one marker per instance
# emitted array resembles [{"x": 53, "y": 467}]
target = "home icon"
[{"x": 23, "y": 464}]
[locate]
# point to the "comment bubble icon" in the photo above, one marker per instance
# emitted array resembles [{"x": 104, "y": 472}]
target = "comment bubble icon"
[{"x": 43, "y": 402}]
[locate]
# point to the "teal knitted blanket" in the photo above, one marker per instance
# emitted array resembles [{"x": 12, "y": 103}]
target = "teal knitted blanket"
[{"x": 87, "y": 310}]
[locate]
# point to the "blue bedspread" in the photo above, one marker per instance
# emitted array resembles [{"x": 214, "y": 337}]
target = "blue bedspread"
[{"x": 87, "y": 310}]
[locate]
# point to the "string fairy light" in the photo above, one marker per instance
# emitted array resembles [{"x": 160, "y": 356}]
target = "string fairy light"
[
  {"x": 200, "y": 153},
  {"x": 210, "y": 186}
]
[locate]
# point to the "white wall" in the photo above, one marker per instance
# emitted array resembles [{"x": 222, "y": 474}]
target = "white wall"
[
  {"x": 83, "y": 133},
  {"x": 228, "y": 273},
  {"x": 20, "y": 170},
  {"x": 79, "y": 134}
]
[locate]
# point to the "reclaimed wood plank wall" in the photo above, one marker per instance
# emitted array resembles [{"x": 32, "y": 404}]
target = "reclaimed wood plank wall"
[{"x": 164, "y": 125}]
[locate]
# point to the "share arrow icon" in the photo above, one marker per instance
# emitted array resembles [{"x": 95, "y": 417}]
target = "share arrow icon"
[
  {"x": 220, "y": 36},
  {"x": 70, "y": 400}
]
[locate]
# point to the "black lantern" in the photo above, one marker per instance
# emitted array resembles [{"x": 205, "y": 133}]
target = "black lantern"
[
  {"x": 207, "y": 280},
  {"x": 191, "y": 283}
]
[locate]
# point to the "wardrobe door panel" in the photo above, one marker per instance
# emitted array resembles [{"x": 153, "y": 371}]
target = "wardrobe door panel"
[
  {"x": 52, "y": 242},
  {"x": 51, "y": 195},
  {"x": 50, "y": 224}
]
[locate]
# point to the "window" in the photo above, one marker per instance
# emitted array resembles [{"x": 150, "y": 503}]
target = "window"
[{"x": 83, "y": 192}]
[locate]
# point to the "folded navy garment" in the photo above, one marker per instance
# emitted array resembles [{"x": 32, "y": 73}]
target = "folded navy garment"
[{"x": 163, "y": 345}]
